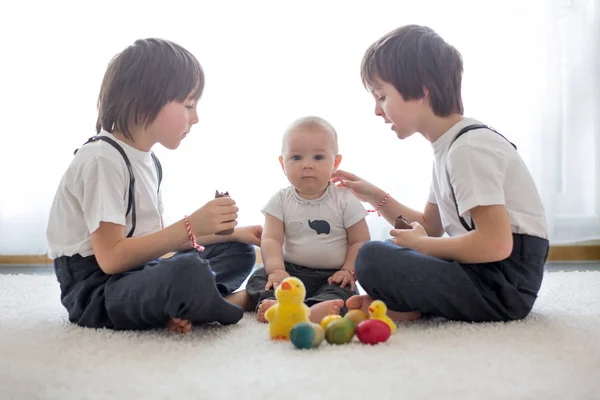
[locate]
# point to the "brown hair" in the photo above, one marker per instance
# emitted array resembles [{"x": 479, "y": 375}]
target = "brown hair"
[
  {"x": 142, "y": 79},
  {"x": 415, "y": 57}
]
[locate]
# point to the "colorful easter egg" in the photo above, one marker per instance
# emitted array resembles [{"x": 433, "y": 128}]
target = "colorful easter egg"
[
  {"x": 356, "y": 316},
  {"x": 319, "y": 334},
  {"x": 373, "y": 331},
  {"x": 339, "y": 331},
  {"x": 328, "y": 318},
  {"x": 303, "y": 335}
]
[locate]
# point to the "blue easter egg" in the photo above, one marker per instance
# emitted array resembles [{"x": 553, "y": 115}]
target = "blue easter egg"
[{"x": 302, "y": 335}]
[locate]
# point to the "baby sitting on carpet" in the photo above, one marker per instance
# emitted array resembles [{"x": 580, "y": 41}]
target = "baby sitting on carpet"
[{"x": 313, "y": 229}]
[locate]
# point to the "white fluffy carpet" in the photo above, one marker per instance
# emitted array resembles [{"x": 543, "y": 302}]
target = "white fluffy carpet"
[{"x": 553, "y": 354}]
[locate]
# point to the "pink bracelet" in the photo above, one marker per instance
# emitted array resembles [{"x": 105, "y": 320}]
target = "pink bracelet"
[
  {"x": 387, "y": 196},
  {"x": 192, "y": 237}
]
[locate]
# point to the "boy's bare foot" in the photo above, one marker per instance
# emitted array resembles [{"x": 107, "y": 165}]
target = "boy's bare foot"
[
  {"x": 363, "y": 302},
  {"x": 241, "y": 299},
  {"x": 179, "y": 325},
  {"x": 321, "y": 310},
  {"x": 264, "y": 306}
]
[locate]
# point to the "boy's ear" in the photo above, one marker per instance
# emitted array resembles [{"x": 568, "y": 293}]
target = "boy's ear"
[
  {"x": 281, "y": 162},
  {"x": 336, "y": 164}
]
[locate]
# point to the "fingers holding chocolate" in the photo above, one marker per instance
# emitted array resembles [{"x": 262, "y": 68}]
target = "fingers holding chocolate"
[{"x": 401, "y": 223}]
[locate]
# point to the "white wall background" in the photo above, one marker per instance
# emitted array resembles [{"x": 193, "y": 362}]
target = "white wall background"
[{"x": 530, "y": 71}]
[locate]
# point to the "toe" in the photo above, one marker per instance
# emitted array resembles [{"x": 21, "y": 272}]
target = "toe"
[{"x": 354, "y": 302}]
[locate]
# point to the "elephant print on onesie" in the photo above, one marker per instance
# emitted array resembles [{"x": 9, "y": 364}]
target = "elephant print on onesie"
[
  {"x": 320, "y": 226},
  {"x": 294, "y": 227}
]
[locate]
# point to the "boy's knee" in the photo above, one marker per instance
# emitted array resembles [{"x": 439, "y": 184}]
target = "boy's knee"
[
  {"x": 244, "y": 254},
  {"x": 366, "y": 261},
  {"x": 367, "y": 256},
  {"x": 190, "y": 271}
]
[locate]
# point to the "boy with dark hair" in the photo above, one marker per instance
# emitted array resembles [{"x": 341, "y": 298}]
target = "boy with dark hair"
[{"x": 490, "y": 265}]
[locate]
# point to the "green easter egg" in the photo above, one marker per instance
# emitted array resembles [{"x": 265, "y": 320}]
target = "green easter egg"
[
  {"x": 303, "y": 335},
  {"x": 319, "y": 334},
  {"x": 339, "y": 331}
]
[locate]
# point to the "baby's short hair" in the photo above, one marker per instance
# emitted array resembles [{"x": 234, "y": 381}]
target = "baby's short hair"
[
  {"x": 142, "y": 79},
  {"x": 415, "y": 57},
  {"x": 311, "y": 121}
]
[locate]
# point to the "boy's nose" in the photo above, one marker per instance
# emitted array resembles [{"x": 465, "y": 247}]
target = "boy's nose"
[
  {"x": 194, "y": 118},
  {"x": 307, "y": 166}
]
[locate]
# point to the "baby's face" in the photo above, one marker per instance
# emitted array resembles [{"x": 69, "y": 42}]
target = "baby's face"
[{"x": 309, "y": 159}]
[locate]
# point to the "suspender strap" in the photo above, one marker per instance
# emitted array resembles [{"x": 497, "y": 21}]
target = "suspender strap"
[
  {"x": 131, "y": 196},
  {"x": 459, "y": 134}
]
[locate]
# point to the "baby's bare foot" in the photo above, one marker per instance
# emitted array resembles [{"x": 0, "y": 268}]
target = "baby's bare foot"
[
  {"x": 363, "y": 302},
  {"x": 179, "y": 325},
  {"x": 321, "y": 310},
  {"x": 262, "y": 309}
]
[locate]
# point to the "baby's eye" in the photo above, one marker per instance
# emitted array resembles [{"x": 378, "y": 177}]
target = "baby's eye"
[
  {"x": 381, "y": 98},
  {"x": 319, "y": 157},
  {"x": 190, "y": 107},
  {"x": 296, "y": 158}
]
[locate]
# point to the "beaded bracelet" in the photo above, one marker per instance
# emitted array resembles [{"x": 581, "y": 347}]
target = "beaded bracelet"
[
  {"x": 380, "y": 205},
  {"x": 192, "y": 237}
]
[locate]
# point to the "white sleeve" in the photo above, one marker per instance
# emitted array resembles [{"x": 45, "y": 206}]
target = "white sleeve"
[
  {"x": 431, "y": 198},
  {"x": 352, "y": 209},
  {"x": 477, "y": 171},
  {"x": 104, "y": 194},
  {"x": 275, "y": 206},
  {"x": 161, "y": 207}
]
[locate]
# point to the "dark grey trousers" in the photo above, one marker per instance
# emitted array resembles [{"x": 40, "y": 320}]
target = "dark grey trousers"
[
  {"x": 315, "y": 282},
  {"x": 188, "y": 285},
  {"x": 410, "y": 281}
]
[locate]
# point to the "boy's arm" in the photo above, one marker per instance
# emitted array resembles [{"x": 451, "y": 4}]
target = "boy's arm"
[
  {"x": 491, "y": 240},
  {"x": 391, "y": 209},
  {"x": 116, "y": 254},
  {"x": 204, "y": 240},
  {"x": 271, "y": 246},
  {"x": 358, "y": 234}
]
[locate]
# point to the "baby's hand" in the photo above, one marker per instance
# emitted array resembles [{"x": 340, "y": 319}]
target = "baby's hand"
[
  {"x": 215, "y": 216},
  {"x": 342, "y": 277},
  {"x": 275, "y": 278}
]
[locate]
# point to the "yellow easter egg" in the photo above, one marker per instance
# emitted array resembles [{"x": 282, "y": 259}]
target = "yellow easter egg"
[
  {"x": 328, "y": 319},
  {"x": 356, "y": 316}
]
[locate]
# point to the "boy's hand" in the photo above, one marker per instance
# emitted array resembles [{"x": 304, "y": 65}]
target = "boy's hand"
[
  {"x": 275, "y": 278},
  {"x": 213, "y": 217},
  {"x": 248, "y": 234},
  {"x": 342, "y": 277},
  {"x": 409, "y": 237},
  {"x": 361, "y": 188}
]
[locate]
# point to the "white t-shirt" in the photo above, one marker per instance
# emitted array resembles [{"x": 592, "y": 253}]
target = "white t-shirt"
[
  {"x": 94, "y": 189},
  {"x": 485, "y": 170},
  {"x": 315, "y": 230}
]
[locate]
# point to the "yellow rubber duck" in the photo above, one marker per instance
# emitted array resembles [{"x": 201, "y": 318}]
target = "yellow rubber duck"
[
  {"x": 289, "y": 309},
  {"x": 378, "y": 310}
]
